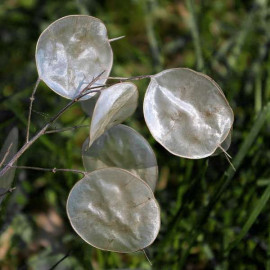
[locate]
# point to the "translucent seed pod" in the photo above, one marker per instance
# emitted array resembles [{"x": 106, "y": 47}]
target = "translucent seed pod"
[
  {"x": 187, "y": 113},
  {"x": 71, "y": 52},
  {"x": 123, "y": 147},
  {"x": 89, "y": 104},
  {"x": 111, "y": 209},
  {"x": 114, "y": 105}
]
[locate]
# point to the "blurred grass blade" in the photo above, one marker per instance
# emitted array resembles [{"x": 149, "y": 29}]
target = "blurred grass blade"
[
  {"x": 252, "y": 218},
  {"x": 8, "y": 150},
  {"x": 210, "y": 256},
  {"x": 195, "y": 35},
  {"x": 149, "y": 9},
  {"x": 258, "y": 94},
  {"x": 226, "y": 179},
  {"x": 258, "y": 124},
  {"x": 263, "y": 182},
  {"x": 268, "y": 249}
]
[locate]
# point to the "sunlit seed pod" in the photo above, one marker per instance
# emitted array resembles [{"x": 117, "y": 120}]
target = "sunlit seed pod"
[
  {"x": 187, "y": 113},
  {"x": 111, "y": 209},
  {"x": 224, "y": 146},
  {"x": 8, "y": 150},
  {"x": 71, "y": 52},
  {"x": 89, "y": 104},
  {"x": 114, "y": 105},
  {"x": 122, "y": 147}
]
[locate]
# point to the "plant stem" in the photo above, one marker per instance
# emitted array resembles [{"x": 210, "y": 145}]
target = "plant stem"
[
  {"x": 65, "y": 129},
  {"x": 52, "y": 120},
  {"x": 115, "y": 39},
  {"x": 53, "y": 170},
  {"x": 5, "y": 156},
  {"x": 32, "y": 98},
  {"x": 135, "y": 78},
  {"x": 62, "y": 259},
  {"x": 146, "y": 256},
  {"x": 10, "y": 190}
]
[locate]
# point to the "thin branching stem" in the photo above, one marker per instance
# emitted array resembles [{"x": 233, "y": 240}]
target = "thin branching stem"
[
  {"x": 65, "y": 129},
  {"x": 32, "y": 98},
  {"x": 62, "y": 259},
  {"x": 227, "y": 156},
  {"x": 115, "y": 39},
  {"x": 87, "y": 90},
  {"x": 53, "y": 170},
  {"x": 147, "y": 258},
  {"x": 224, "y": 151},
  {"x": 5, "y": 156},
  {"x": 228, "y": 159},
  {"x": 10, "y": 190},
  {"x": 135, "y": 78}
]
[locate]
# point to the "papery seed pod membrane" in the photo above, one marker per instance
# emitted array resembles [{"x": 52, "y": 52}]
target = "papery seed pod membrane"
[
  {"x": 71, "y": 52},
  {"x": 114, "y": 106},
  {"x": 89, "y": 104},
  {"x": 111, "y": 209},
  {"x": 187, "y": 113},
  {"x": 123, "y": 147}
]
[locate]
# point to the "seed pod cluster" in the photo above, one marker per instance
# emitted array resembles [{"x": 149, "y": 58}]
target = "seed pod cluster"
[{"x": 113, "y": 207}]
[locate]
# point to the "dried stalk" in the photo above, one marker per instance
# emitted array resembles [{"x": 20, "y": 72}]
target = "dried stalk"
[
  {"x": 115, "y": 39},
  {"x": 5, "y": 156},
  {"x": 53, "y": 170},
  {"x": 32, "y": 98},
  {"x": 135, "y": 78},
  {"x": 10, "y": 190},
  {"x": 83, "y": 93},
  {"x": 65, "y": 129}
]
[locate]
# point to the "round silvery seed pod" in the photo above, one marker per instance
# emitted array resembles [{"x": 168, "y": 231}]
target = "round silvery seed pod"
[
  {"x": 122, "y": 147},
  {"x": 114, "y": 106},
  {"x": 71, "y": 52},
  {"x": 111, "y": 209},
  {"x": 187, "y": 113}
]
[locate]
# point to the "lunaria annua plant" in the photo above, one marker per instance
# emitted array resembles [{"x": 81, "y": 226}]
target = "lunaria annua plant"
[{"x": 113, "y": 206}]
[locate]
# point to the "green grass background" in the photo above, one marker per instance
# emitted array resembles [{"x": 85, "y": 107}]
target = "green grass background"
[{"x": 212, "y": 217}]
